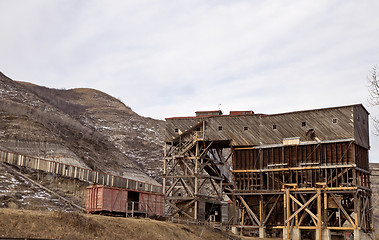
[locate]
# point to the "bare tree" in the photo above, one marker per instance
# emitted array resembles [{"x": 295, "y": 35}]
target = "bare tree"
[{"x": 373, "y": 90}]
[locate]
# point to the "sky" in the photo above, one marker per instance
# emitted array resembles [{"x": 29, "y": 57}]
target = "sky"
[{"x": 171, "y": 58}]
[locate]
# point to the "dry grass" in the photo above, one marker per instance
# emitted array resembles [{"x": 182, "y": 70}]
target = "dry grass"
[{"x": 63, "y": 225}]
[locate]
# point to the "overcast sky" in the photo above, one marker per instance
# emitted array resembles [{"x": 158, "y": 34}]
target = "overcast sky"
[{"x": 171, "y": 58}]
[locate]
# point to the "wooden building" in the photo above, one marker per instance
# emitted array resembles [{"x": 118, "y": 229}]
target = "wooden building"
[{"x": 294, "y": 174}]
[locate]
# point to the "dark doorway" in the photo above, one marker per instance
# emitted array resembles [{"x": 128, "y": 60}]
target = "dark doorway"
[
  {"x": 212, "y": 212},
  {"x": 133, "y": 196}
]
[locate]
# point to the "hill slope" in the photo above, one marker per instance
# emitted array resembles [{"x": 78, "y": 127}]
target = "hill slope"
[{"x": 82, "y": 127}]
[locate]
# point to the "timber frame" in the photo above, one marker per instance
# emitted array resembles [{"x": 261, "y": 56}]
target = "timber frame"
[
  {"x": 296, "y": 175},
  {"x": 312, "y": 187},
  {"x": 196, "y": 171}
]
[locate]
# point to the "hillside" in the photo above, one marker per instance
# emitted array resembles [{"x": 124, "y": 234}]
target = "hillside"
[
  {"x": 82, "y": 127},
  {"x": 138, "y": 138},
  {"x": 20, "y": 191}
]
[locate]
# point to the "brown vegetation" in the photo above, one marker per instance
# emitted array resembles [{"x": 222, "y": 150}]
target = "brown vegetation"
[{"x": 63, "y": 225}]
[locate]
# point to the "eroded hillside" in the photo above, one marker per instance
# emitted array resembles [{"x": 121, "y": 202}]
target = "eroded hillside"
[
  {"x": 138, "y": 138},
  {"x": 83, "y": 127}
]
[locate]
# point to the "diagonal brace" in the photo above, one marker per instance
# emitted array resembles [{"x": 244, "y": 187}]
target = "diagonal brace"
[
  {"x": 249, "y": 210},
  {"x": 303, "y": 207}
]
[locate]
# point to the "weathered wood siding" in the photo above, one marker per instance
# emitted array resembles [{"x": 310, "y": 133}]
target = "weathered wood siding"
[
  {"x": 253, "y": 130},
  {"x": 361, "y": 126}
]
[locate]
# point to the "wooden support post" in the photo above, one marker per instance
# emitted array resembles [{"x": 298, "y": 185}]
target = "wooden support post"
[
  {"x": 325, "y": 215},
  {"x": 285, "y": 209},
  {"x": 288, "y": 211},
  {"x": 319, "y": 218},
  {"x": 356, "y": 209},
  {"x": 297, "y": 214},
  {"x": 260, "y": 210}
]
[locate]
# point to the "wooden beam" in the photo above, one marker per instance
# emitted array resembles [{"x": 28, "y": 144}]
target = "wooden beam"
[
  {"x": 288, "y": 210},
  {"x": 343, "y": 210},
  {"x": 271, "y": 210},
  {"x": 303, "y": 207},
  {"x": 304, "y": 213},
  {"x": 249, "y": 210},
  {"x": 172, "y": 187},
  {"x": 181, "y": 209},
  {"x": 205, "y": 150},
  {"x": 187, "y": 188},
  {"x": 319, "y": 222},
  {"x": 306, "y": 209}
]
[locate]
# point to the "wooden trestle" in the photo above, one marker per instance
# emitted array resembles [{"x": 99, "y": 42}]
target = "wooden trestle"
[
  {"x": 294, "y": 174},
  {"x": 197, "y": 173},
  {"x": 304, "y": 187}
]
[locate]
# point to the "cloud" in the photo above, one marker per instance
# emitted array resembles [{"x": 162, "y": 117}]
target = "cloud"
[{"x": 170, "y": 58}]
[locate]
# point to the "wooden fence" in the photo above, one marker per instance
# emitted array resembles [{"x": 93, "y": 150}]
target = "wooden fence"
[{"x": 80, "y": 173}]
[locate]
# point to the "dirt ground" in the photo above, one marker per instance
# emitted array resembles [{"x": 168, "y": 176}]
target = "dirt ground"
[{"x": 67, "y": 225}]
